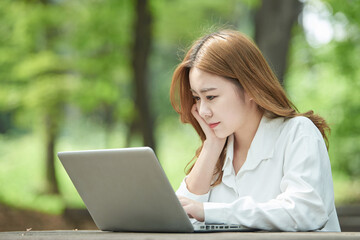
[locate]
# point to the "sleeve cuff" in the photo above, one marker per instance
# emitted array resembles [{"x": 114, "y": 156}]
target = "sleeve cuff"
[
  {"x": 184, "y": 191},
  {"x": 215, "y": 213}
]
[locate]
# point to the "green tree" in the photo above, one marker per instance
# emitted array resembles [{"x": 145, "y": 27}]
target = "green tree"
[
  {"x": 36, "y": 80},
  {"x": 324, "y": 76},
  {"x": 141, "y": 52},
  {"x": 99, "y": 40},
  {"x": 274, "y": 21}
]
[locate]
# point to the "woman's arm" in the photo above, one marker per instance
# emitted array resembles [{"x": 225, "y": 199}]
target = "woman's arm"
[
  {"x": 306, "y": 201},
  {"x": 196, "y": 186},
  {"x": 199, "y": 179}
]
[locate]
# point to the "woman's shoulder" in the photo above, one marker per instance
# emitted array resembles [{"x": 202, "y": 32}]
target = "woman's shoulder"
[
  {"x": 301, "y": 126},
  {"x": 299, "y": 121}
]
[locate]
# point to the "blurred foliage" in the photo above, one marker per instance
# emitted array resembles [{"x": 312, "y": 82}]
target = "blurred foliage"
[
  {"x": 71, "y": 60},
  {"x": 326, "y": 77}
]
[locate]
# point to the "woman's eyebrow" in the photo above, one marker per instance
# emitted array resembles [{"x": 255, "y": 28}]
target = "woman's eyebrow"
[{"x": 203, "y": 90}]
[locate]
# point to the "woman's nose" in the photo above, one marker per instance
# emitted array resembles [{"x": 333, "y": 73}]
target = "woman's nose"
[{"x": 204, "y": 110}]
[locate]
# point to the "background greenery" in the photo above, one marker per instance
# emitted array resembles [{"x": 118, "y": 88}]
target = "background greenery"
[{"x": 70, "y": 62}]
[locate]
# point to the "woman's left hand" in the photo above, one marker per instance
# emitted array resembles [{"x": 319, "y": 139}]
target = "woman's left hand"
[{"x": 194, "y": 209}]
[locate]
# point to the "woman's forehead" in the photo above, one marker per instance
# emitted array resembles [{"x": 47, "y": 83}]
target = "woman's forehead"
[
  {"x": 199, "y": 77},
  {"x": 202, "y": 82}
]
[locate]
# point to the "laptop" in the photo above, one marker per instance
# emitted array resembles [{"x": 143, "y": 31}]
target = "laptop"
[{"x": 127, "y": 190}]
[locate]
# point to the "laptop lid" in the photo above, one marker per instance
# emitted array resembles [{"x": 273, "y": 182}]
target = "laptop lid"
[{"x": 126, "y": 190}]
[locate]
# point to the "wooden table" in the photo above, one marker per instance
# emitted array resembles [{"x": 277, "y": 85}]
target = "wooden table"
[{"x": 95, "y": 235}]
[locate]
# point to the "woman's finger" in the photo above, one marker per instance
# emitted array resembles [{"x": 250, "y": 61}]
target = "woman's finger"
[{"x": 183, "y": 200}]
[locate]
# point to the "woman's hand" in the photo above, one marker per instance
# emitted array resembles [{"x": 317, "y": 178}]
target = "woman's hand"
[
  {"x": 211, "y": 138},
  {"x": 194, "y": 209},
  {"x": 201, "y": 175}
]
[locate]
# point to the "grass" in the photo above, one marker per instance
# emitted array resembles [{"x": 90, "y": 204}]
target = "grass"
[
  {"x": 22, "y": 178},
  {"x": 22, "y": 170},
  {"x": 22, "y": 175}
]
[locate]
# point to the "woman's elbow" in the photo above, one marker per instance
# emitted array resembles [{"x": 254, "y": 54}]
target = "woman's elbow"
[{"x": 311, "y": 220}]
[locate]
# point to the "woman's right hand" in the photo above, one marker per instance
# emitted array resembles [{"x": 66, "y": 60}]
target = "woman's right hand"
[
  {"x": 211, "y": 138},
  {"x": 200, "y": 178}
]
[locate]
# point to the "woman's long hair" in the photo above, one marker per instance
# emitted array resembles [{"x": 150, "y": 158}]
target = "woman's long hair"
[{"x": 232, "y": 55}]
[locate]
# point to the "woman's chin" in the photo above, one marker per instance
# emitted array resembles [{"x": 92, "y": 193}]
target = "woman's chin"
[{"x": 221, "y": 134}]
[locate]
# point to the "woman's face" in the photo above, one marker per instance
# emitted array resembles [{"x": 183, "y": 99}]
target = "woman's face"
[{"x": 222, "y": 104}]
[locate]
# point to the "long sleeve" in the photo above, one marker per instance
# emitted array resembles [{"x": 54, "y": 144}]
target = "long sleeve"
[
  {"x": 305, "y": 201},
  {"x": 183, "y": 191}
]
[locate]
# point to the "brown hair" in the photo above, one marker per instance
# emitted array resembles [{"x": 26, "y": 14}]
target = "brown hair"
[{"x": 232, "y": 55}]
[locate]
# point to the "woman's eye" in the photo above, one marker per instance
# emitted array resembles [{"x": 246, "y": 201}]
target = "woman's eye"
[
  {"x": 196, "y": 98},
  {"x": 210, "y": 97}
]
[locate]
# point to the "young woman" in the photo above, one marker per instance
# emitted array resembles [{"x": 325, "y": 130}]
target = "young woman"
[{"x": 261, "y": 164}]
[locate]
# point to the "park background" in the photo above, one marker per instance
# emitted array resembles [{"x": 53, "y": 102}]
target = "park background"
[{"x": 93, "y": 74}]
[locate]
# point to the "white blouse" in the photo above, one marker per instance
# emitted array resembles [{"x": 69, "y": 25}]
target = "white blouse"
[{"x": 285, "y": 183}]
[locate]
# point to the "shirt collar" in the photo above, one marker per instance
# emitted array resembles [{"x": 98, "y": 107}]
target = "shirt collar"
[
  {"x": 261, "y": 148},
  {"x": 227, "y": 167}
]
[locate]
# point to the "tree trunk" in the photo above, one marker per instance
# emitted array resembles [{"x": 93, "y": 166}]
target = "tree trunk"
[
  {"x": 109, "y": 122},
  {"x": 50, "y": 134},
  {"x": 51, "y": 121},
  {"x": 273, "y": 23},
  {"x": 141, "y": 51}
]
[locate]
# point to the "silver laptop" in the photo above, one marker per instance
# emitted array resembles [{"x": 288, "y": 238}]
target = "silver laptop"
[{"x": 127, "y": 190}]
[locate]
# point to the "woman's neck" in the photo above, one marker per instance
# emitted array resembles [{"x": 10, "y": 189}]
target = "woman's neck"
[{"x": 243, "y": 137}]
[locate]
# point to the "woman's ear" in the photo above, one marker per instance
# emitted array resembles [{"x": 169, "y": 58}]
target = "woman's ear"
[{"x": 247, "y": 97}]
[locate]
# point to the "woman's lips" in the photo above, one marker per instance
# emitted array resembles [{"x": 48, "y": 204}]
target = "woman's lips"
[{"x": 213, "y": 125}]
